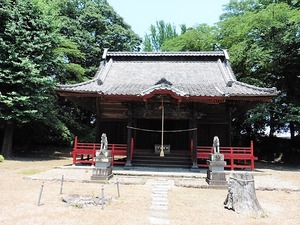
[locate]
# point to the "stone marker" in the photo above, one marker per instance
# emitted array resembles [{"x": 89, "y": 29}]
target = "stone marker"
[
  {"x": 103, "y": 168},
  {"x": 215, "y": 173}
]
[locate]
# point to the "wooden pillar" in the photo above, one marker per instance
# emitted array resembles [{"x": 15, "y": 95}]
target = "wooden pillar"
[
  {"x": 194, "y": 167},
  {"x": 98, "y": 119},
  {"x": 128, "y": 164},
  {"x": 230, "y": 126}
]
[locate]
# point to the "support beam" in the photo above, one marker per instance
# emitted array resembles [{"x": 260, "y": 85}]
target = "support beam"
[
  {"x": 194, "y": 167},
  {"x": 128, "y": 164},
  {"x": 98, "y": 119}
]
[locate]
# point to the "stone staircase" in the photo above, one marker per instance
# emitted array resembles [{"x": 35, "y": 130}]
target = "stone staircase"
[{"x": 176, "y": 159}]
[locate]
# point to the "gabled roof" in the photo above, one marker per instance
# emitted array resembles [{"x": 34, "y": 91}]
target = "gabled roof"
[{"x": 187, "y": 75}]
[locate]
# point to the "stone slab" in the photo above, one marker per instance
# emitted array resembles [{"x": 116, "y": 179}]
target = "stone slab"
[
  {"x": 217, "y": 182},
  {"x": 102, "y": 171},
  {"x": 101, "y": 174},
  {"x": 103, "y": 153},
  {"x": 159, "y": 207},
  {"x": 216, "y": 175},
  {"x": 101, "y": 178},
  {"x": 216, "y": 178},
  {"x": 160, "y": 221},
  {"x": 158, "y": 213},
  {"x": 102, "y": 165},
  {"x": 216, "y": 157},
  {"x": 216, "y": 163}
]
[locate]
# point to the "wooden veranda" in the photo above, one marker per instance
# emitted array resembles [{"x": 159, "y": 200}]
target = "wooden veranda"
[{"x": 236, "y": 157}]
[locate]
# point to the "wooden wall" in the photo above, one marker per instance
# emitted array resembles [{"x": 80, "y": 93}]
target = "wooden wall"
[{"x": 212, "y": 120}]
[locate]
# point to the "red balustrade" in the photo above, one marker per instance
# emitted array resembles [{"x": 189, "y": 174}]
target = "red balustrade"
[
  {"x": 85, "y": 152},
  {"x": 236, "y": 157}
]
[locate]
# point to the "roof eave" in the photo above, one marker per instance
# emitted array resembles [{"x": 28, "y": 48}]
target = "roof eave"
[{"x": 261, "y": 98}]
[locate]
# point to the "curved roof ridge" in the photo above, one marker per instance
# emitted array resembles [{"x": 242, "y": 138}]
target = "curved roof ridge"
[
  {"x": 188, "y": 53},
  {"x": 271, "y": 90},
  {"x": 223, "y": 72},
  {"x": 100, "y": 69},
  {"x": 77, "y": 84},
  {"x": 103, "y": 75},
  {"x": 163, "y": 86},
  {"x": 96, "y": 78},
  {"x": 230, "y": 71}
]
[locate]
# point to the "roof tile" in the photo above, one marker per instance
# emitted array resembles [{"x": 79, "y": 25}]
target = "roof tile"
[{"x": 138, "y": 76}]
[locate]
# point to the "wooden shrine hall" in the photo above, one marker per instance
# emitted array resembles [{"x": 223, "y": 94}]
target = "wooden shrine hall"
[{"x": 166, "y": 107}]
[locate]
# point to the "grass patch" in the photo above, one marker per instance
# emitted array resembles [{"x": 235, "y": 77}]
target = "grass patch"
[{"x": 30, "y": 172}]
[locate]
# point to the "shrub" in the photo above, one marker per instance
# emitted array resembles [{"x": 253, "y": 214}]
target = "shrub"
[{"x": 1, "y": 158}]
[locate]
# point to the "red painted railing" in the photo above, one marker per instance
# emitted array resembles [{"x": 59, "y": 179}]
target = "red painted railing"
[
  {"x": 236, "y": 157},
  {"x": 118, "y": 153},
  {"x": 86, "y": 152}
]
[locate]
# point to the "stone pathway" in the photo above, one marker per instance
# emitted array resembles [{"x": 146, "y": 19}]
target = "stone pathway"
[{"x": 158, "y": 213}]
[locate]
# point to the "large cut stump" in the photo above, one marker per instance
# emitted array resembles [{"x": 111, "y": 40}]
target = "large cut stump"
[{"x": 241, "y": 195}]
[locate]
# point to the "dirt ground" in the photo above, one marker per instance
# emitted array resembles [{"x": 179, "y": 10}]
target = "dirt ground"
[{"x": 19, "y": 200}]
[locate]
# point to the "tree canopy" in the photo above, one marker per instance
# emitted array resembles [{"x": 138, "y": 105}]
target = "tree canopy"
[
  {"x": 27, "y": 40},
  {"x": 159, "y": 33},
  {"x": 262, "y": 38},
  {"x": 92, "y": 25},
  {"x": 43, "y": 42},
  {"x": 200, "y": 38},
  {"x": 263, "y": 41},
  {"x": 26, "y": 53}
]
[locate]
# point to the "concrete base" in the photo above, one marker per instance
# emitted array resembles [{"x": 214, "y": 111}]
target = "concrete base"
[
  {"x": 215, "y": 173},
  {"x": 128, "y": 166},
  {"x": 101, "y": 178},
  {"x": 194, "y": 169},
  {"x": 216, "y": 178},
  {"x": 102, "y": 174},
  {"x": 216, "y": 162},
  {"x": 216, "y": 166}
]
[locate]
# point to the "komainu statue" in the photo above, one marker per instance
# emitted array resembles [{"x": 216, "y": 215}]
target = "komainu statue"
[
  {"x": 216, "y": 144},
  {"x": 104, "y": 142}
]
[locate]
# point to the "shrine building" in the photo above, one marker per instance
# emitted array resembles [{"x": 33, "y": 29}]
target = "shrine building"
[{"x": 170, "y": 101}]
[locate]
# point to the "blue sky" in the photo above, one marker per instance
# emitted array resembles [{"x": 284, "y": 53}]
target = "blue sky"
[{"x": 140, "y": 14}]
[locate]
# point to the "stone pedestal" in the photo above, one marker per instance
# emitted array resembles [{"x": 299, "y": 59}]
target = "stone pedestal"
[
  {"x": 215, "y": 173},
  {"x": 103, "y": 169}
]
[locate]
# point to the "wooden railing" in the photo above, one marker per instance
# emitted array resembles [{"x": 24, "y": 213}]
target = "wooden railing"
[
  {"x": 236, "y": 157},
  {"x": 118, "y": 153},
  {"x": 85, "y": 152}
]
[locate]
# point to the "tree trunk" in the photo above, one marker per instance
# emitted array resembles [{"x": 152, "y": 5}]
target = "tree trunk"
[
  {"x": 241, "y": 195},
  {"x": 6, "y": 150},
  {"x": 292, "y": 130}
]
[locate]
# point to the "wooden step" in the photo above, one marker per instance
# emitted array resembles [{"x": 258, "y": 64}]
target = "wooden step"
[{"x": 176, "y": 159}]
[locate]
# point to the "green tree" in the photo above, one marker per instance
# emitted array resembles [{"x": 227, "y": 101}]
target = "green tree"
[
  {"x": 158, "y": 34},
  {"x": 27, "y": 39},
  {"x": 263, "y": 41},
  {"x": 200, "y": 38},
  {"x": 89, "y": 26},
  {"x": 93, "y": 25}
]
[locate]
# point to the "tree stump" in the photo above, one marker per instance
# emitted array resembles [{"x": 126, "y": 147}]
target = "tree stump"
[{"x": 241, "y": 195}]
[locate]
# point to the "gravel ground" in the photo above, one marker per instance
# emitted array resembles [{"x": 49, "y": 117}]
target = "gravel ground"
[{"x": 148, "y": 196}]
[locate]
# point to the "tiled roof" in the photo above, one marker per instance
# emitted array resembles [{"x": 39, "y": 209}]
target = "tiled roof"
[
  {"x": 211, "y": 53},
  {"x": 139, "y": 77}
]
